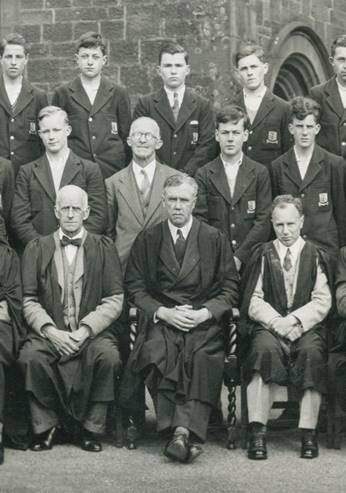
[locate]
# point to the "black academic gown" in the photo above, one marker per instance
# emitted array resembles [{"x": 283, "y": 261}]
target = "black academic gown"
[
  {"x": 182, "y": 366},
  {"x": 72, "y": 380}
]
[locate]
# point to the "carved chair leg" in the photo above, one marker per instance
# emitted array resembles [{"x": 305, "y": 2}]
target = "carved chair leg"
[{"x": 232, "y": 434}]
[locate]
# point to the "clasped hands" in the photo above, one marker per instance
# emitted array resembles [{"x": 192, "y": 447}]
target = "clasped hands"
[
  {"x": 66, "y": 343},
  {"x": 183, "y": 317},
  {"x": 287, "y": 327}
]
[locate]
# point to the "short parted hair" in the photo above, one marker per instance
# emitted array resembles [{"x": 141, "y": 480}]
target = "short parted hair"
[
  {"x": 339, "y": 41},
  {"x": 52, "y": 110},
  {"x": 282, "y": 201},
  {"x": 172, "y": 48},
  {"x": 247, "y": 48},
  {"x": 181, "y": 179},
  {"x": 72, "y": 189},
  {"x": 301, "y": 107},
  {"x": 232, "y": 113},
  {"x": 91, "y": 40},
  {"x": 13, "y": 39}
]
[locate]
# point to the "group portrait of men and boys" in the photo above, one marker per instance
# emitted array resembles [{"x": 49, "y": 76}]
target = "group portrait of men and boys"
[{"x": 184, "y": 215}]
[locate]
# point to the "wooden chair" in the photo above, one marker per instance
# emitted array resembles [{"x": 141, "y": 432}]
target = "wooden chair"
[{"x": 231, "y": 380}]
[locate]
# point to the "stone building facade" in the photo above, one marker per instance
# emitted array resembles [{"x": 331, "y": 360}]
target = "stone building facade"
[{"x": 296, "y": 33}]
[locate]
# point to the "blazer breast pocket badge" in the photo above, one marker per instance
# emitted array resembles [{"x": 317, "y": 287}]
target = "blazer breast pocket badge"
[
  {"x": 32, "y": 127},
  {"x": 272, "y": 137},
  {"x": 194, "y": 131},
  {"x": 323, "y": 199},
  {"x": 251, "y": 206},
  {"x": 114, "y": 128}
]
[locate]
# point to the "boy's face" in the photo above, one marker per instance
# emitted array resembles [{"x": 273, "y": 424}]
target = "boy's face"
[
  {"x": 90, "y": 61},
  {"x": 13, "y": 61},
  {"x": 231, "y": 137},
  {"x": 304, "y": 131},
  {"x": 252, "y": 71},
  {"x": 173, "y": 70},
  {"x": 338, "y": 62}
]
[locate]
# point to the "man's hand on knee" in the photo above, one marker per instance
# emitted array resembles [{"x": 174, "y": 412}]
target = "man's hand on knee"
[{"x": 61, "y": 341}]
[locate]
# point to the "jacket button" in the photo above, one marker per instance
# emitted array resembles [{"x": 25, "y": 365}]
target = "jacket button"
[
  {"x": 232, "y": 225},
  {"x": 12, "y": 153},
  {"x": 234, "y": 242},
  {"x": 249, "y": 148},
  {"x": 90, "y": 119},
  {"x": 343, "y": 143},
  {"x": 302, "y": 195},
  {"x": 175, "y": 136},
  {"x": 174, "y": 153},
  {"x": 94, "y": 137},
  {"x": 12, "y": 120},
  {"x": 12, "y": 137}
]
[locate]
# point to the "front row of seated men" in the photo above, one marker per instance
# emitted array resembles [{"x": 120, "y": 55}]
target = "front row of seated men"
[{"x": 182, "y": 277}]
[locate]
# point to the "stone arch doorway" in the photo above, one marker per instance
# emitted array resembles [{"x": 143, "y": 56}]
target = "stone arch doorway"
[{"x": 298, "y": 61}]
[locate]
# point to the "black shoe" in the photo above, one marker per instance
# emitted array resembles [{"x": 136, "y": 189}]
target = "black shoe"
[
  {"x": 178, "y": 448},
  {"x": 195, "y": 450},
  {"x": 309, "y": 448},
  {"x": 89, "y": 442},
  {"x": 257, "y": 449},
  {"x": 44, "y": 441}
]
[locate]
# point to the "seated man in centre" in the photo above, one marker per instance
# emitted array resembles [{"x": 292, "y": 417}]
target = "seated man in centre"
[
  {"x": 72, "y": 288},
  {"x": 286, "y": 299},
  {"x": 182, "y": 277}
]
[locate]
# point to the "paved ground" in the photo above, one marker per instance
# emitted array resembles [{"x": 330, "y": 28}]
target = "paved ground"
[{"x": 67, "y": 469}]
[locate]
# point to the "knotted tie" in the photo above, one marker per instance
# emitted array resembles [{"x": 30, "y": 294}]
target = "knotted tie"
[
  {"x": 175, "y": 107},
  {"x": 288, "y": 277},
  {"x": 287, "y": 264},
  {"x": 179, "y": 246},
  {"x": 65, "y": 240},
  {"x": 145, "y": 186}
]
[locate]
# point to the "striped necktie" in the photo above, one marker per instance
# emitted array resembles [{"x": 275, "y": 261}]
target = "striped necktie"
[{"x": 175, "y": 107}]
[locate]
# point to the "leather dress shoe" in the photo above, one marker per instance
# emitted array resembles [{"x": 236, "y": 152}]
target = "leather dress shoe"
[
  {"x": 257, "y": 449},
  {"x": 44, "y": 441},
  {"x": 195, "y": 450},
  {"x": 309, "y": 448},
  {"x": 90, "y": 443},
  {"x": 178, "y": 448}
]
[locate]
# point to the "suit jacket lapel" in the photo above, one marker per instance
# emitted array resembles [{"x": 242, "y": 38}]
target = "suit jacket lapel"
[
  {"x": 333, "y": 97},
  {"x": 313, "y": 169},
  {"x": 163, "y": 108},
  {"x": 25, "y": 97},
  {"x": 167, "y": 254},
  {"x": 78, "y": 93},
  {"x": 244, "y": 178},
  {"x": 291, "y": 169},
  {"x": 219, "y": 179},
  {"x": 265, "y": 107},
  {"x": 129, "y": 192},
  {"x": 104, "y": 93},
  {"x": 186, "y": 109},
  {"x": 192, "y": 256},
  {"x": 70, "y": 170},
  {"x": 156, "y": 193},
  {"x": 4, "y": 101},
  {"x": 44, "y": 176}
]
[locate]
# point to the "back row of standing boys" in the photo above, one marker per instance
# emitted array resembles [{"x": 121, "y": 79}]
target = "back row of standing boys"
[{"x": 268, "y": 148}]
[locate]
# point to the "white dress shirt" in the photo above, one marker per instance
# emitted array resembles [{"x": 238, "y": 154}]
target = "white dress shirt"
[
  {"x": 303, "y": 162},
  {"x": 13, "y": 90},
  {"x": 231, "y": 170},
  {"x": 57, "y": 167},
  {"x": 91, "y": 89},
  {"x": 253, "y": 100},
  {"x": 149, "y": 170},
  {"x": 342, "y": 92},
  {"x": 310, "y": 314},
  {"x": 170, "y": 94},
  {"x": 184, "y": 229},
  {"x": 71, "y": 250}
]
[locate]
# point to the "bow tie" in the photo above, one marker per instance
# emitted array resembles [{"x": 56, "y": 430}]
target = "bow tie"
[{"x": 65, "y": 240}]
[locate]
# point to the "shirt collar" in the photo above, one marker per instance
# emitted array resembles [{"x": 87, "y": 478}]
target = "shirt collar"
[
  {"x": 185, "y": 229},
  {"x": 63, "y": 157},
  {"x": 308, "y": 156},
  {"x": 77, "y": 236},
  {"x": 149, "y": 169},
  {"x": 237, "y": 163},
  {"x": 340, "y": 87},
  {"x": 295, "y": 249},
  {"x": 258, "y": 93},
  {"x": 180, "y": 91}
]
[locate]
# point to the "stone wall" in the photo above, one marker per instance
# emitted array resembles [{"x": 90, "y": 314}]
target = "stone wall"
[{"x": 210, "y": 29}]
